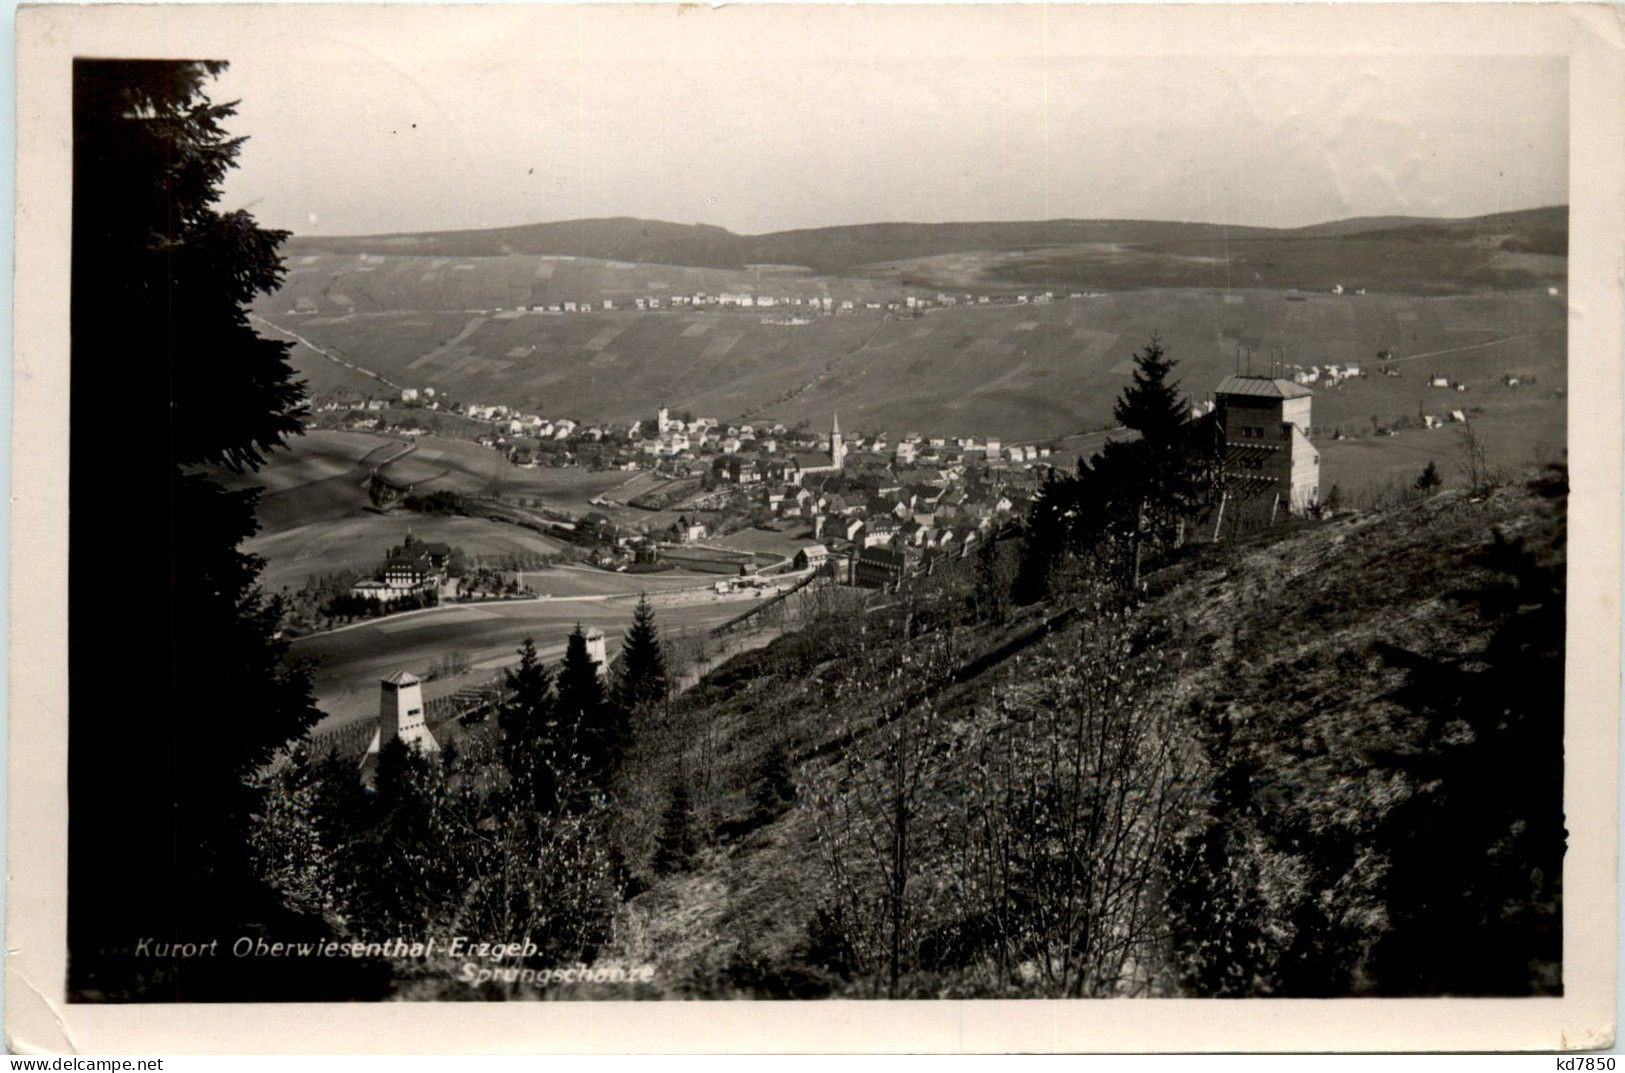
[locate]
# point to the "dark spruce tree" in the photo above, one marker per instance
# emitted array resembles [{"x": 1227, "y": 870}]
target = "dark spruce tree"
[
  {"x": 774, "y": 789},
  {"x": 1155, "y": 480},
  {"x": 1151, "y": 404},
  {"x": 1046, "y": 536},
  {"x": 534, "y": 742},
  {"x": 674, "y": 842},
  {"x": 180, "y": 690},
  {"x": 1133, "y": 495},
  {"x": 641, "y": 677},
  {"x": 586, "y": 714}
]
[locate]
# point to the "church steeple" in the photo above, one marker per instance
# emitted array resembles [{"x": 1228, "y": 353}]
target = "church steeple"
[{"x": 837, "y": 449}]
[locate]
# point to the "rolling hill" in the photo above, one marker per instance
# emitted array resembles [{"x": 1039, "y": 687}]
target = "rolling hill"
[
  {"x": 1470, "y": 299},
  {"x": 847, "y": 249},
  {"x": 316, "y": 518},
  {"x": 1014, "y": 371}
]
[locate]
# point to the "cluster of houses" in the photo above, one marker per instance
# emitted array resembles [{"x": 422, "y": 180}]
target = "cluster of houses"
[
  {"x": 877, "y": 514},
  {"x": 1327, "y": 375},
  {"x": 809, "y": 303}
]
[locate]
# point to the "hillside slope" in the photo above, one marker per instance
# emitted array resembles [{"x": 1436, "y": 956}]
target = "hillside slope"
[
  {"x": 845, "y": 248},
  {"x": 1348, "y": 806},
  {"x": 1022, "y": 372}
]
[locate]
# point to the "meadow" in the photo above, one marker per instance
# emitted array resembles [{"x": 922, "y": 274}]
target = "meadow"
[
  {"x": 1019, "y": 372},
  {"x": 316, "y": 517}
]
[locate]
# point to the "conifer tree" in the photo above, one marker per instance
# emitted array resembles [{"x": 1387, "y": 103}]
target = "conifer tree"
[
  {"x": 1429, "y": 478},
  {"x": 585, "y": 714},
  {"x": 1152, "y": 405},
  {"x": 775, "y": 785},
  {"x": 161, "y": 344},
  {"x": 579, "y": 686},
  {"x": 674, "y": 844},
  {"x": 1157, "y": 481},
  {"x": 533, "y": 741},
  {"x": 1044, "y": 541},
  {"x": 992, "y": 583},
  {"x": 642, "y": 678}
]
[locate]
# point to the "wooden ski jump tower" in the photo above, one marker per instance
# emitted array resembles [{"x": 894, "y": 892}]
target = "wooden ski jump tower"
[
  {"x": 400, "y": 715},
  {"x": 1270, "y": 466}
]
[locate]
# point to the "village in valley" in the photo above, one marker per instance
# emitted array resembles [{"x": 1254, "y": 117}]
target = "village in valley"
[{"x": 1012, "y": 605}]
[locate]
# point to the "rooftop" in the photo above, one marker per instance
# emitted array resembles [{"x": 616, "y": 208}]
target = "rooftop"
[{"x": 1261, "y": 387}]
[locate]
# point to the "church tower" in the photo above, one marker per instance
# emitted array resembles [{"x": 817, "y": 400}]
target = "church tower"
[{"x": 837, "y": 449}]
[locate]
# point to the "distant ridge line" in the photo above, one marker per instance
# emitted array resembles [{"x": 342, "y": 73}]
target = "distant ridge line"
[{"x": 625, "y": 238}]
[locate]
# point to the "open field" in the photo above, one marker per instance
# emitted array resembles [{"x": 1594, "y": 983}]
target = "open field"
[
  {"x": 572, "y": 581},
  {"x": 1387, "y": 261},
  {"x": 1516, "y": 432},
  {"x": 361, "y": 543},
  {"x": 768, "y": 542},
  {"x": 1019, "y": 372},
  {"x": 323, "y": 473},
  {"x": 348, "y": 663},
  {"x": 316, "y": 518},
  {"x": 322, "y": 288}
]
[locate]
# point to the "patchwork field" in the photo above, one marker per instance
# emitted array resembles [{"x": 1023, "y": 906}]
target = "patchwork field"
[
  {"x": 322, "y": 286},
  {"x": 1020, "y": 372},
  {"x": 361, "y": 543},
  {"x": 316, "y": 518},
  {"x": 1410, "y": 254}
]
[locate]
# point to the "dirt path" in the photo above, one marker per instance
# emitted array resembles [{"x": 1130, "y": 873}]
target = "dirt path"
[
  {"x": 1454, "y": 349},
  {"x": 328, "y": 354}
]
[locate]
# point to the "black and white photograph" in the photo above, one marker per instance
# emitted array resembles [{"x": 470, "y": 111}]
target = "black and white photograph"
[{"x": 797, "y": 504}]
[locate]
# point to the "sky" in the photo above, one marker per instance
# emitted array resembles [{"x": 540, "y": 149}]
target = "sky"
[{"x": 760, "y": 120}]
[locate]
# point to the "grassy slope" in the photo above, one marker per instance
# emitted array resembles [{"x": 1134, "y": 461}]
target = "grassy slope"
[
  {"x": 1020, "y": 372},
  {"x": 1283, "y": 630},
  {"x": 316, "y": 518}
]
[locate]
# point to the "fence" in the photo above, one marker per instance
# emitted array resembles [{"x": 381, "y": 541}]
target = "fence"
[{"x": 351, "y": 740}]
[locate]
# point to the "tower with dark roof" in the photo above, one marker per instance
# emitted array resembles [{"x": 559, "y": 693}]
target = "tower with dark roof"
[{"x": 1263, "y": 427}]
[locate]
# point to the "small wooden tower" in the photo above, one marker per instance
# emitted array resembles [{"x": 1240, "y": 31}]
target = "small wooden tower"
[
  {"x": 1263, "y": 425},
  {"x": 400, "y": 715},
  {"x": 597, "y": 651}
]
